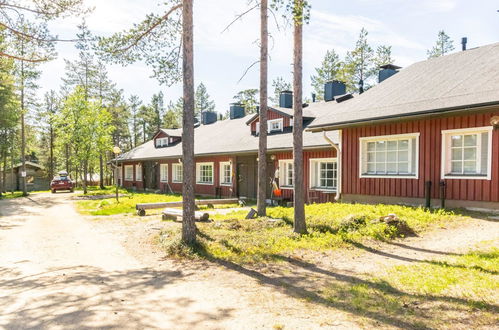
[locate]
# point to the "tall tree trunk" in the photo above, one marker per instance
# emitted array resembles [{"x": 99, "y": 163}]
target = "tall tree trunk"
[
  {"x": 23, "y": 133},
  {"x": 84, "y": 178},
  {"x": 13, "y": 180},
  {"x": 51, "y": 164},
  {"x": 188, "y": 206},
  {"x": 3, "y": 186},
  {"x": 299, "y": 196},
  {"x": 101, "y": 172},
  {"x": 262, "y": 139}
]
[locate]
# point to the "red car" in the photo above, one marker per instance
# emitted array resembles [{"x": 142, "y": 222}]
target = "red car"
[{"x": 62, "y": 182}]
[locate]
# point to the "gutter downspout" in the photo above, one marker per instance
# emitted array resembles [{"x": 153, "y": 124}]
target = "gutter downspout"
[{"x": 337, "y": 147}]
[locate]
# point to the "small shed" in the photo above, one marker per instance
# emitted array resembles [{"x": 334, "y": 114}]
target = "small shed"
[{"x": 36, "y": 178}]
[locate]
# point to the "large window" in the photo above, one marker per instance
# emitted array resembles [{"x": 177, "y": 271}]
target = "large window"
[
  {"x": 389, "y": 156},
  {"x": 177, "y": 173},
  {"x": 138, "y": 172},
  {"x": 324, "y": 174},
  {"x": 163, "y": 169},
  {"x": 286, "y": 173},
  {"x": 128, "y": 172},
  {"x": 466, "y": 153},
  {"x": 225, "y": 173},
  {"x": 275, "y": 125},
  {"x": 204, "y": 173}
]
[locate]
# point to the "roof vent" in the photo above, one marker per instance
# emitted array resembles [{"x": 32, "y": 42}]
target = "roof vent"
[
  {"x": 345, "y": 97},
  {"x": 286, "y": 99},
  {"x": 236, "y": 111},
  {"x": 333, "y": 89},
  {"x": 208, "y": 117},
  {"x": 464, "y": 41},
  {"x": 386, "y": 71}
]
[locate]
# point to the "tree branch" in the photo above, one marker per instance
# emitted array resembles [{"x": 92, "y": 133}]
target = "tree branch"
[
  {"x": 31, "y": 60},
  {"x": 247, "y": 69},
  {"x": 30, "y": 36},
  {"x": 152, "y": 27},
  {"x": 238, "y": 17}
]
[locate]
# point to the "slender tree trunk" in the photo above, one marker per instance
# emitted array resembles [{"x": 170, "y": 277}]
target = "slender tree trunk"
[
  {"x": 84, "y": 178},
  {"x": 262, "y": 138},
  {"x": 13, "y": 180},
  {"x": 299, "y": 195},
  {"x": 143, "y": 132},
  {"x": 188, "y": 206},
  {"x": 101, "y": 172},
  {"x": 3, "y": 186},
  {"x": 23, "y": 133},
  {"x": 51, "y": 166}
]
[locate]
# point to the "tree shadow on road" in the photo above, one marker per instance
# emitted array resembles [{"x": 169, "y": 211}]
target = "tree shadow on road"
[{"x": 89, "y": 297}]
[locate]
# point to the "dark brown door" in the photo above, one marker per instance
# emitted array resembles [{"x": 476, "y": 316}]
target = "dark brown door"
[{"x": 246, "y": 177}]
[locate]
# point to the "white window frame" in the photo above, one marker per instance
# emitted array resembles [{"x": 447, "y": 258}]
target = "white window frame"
[
  {"x": 163, "y": 169},
  {"x": 198, "y": 173},
  {"x": 162, "y": 142},
  {"x": 222, "y": 174},
  {"x": 257, "y": 128},
  {"x": 128, "y": 167},
  {"x": 446, "y": 150},
  {"x": 280, "y": 123},
  {"x": 395, "y": 137},
  {"x": 175, "y": 178},
  {"x": 284, "y": 173},
  {"x": 138, "y": 172},
  {"x": 314, "y": 170}
]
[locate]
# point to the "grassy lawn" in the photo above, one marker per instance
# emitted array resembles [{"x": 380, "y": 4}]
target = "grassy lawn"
[
  {"x": 18, "y": 194},
  {"x": 457, "y": 291},
  {"x": 232, "y": 238}
]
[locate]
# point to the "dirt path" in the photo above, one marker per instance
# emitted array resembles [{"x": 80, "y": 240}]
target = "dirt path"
[{"x": 59, "y": 270}]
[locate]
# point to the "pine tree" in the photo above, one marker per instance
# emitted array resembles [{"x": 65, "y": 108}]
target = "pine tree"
[
  {"x": 383, "y": 56},
  {"x": 173, "y": 115},
  {"x": 248, "y": 98},
  {"x": 359, "y": 64},
  {"x": 443, "y": 45},
  {"x": 203, "y": 101},
  {"x": 134, "y": 104},
  {"x": 157, "y": 105},
  {"x": 332, "y": 68}
]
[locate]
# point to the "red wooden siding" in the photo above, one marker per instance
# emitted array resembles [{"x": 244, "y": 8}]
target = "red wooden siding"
[
  {"x": 134, "y": 182},
  {"x": 311, "y": 196},
  {"x": 272, "y": 115},
  {"x": 430, "y": 145}
]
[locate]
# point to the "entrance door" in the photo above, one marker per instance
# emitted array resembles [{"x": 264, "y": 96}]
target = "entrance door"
[
  {"x": 150, "y": 175},
  {"x": 246, "y": 177}
]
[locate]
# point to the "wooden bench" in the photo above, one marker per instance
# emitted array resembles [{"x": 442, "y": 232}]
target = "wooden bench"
[
  {"x": 142, "y": 207},
  {"x": 173, "y": 214}
]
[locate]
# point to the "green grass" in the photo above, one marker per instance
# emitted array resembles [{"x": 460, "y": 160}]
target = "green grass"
[
  {"x": 459, "y": 291},
  {"x": 126, "y": 204},
  {"x": 18, "y": 194},
  {"x": 96, "y": 191},
  {"x": 331, "y": 225}
]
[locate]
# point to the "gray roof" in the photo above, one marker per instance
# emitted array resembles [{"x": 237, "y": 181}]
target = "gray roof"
[
  {"x": 229, "y": 136},
  {"x": 285, "y": 111},
  {"x": 171, "y": 131},
  {"x": 459, "y": 80}
]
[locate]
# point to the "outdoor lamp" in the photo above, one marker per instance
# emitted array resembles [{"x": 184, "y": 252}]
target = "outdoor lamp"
[
  {"x": 494, "y": 121},
  {"x": 116, "y": 150}
]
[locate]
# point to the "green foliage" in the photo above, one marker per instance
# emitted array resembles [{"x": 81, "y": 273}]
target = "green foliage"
[
  {"x": 203, "y": 101},
  {"x": 332, "y": 68},
  {"x": 383, "y": 56},
  {"x": 443, "y": 45},
  {"x": 248, "y": 98},
  {"x": 359, "y": 63}
]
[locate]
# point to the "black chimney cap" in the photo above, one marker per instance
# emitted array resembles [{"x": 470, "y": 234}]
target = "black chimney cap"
[{"x": 390, "y": 66}]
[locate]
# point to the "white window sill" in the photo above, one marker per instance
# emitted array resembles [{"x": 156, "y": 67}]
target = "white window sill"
[
  {"x": 287, "y": 187},
  {"x": 176, "y": 181},
  {"x": 370, "y": 176},
  {"x": 205, "y": 183},
  {"x": 164, "y": 181},
  {"x": 226, "y": 184},
  {"x": 468, "y": 177},
  {"x": 327, "y": 190},
  {"x": 129, "y": 180}
]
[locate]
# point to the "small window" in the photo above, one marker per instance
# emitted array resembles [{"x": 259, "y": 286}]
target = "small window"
[
  {"x": 163, "y": 169},
  {"x": 389, "y": 156},
  {"x": 162, "y": 142},
  {"x": 286, "y": 173},
  {"x": 177, "y": 173},
  {"x": 204, "y": 173},
  {"x": 324, "y": 174},
  {"x": 128, "y": 172},
  {"x": 275, "y": 125},
  {"x": 225, "y": 173},
  {"x": 138, "y": 172},
  {"x": 466, "y": 153}
]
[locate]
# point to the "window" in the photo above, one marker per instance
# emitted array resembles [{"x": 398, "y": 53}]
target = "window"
[
  {"x": 286, "y": 173},
  {"x": 204, "y": 173},
  {"x": 225, "y": 173},
  {"x": 162, "y": 142},
  {"x": 138, "y": 172},
  {"x": 177, "y": 174},
  {"x": 128, "y": 172},
  {"x": 275, "y": 125},
  {"x": 163, "y": 172},
  {"x": 466, "y": 153},
  {"x": 324, "y": 174},
  {"x": 393, "y": 156}
]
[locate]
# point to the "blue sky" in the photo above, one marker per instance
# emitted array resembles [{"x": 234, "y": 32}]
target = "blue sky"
[{"x": 409, "y": 26}]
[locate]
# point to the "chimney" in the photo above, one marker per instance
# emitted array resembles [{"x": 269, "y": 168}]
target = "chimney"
[
  {"x": 236, "y": 111},
  {"x": 286, "y": 99},
  {"x": 208, "y": 117},
  {"x": 361, "y": 86},
  {"x": 386, "y": 71},
  {"x": 464, "y": 41},
  {"x": 333, "y": 89},
  {"x": 313, "y": 97}
]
